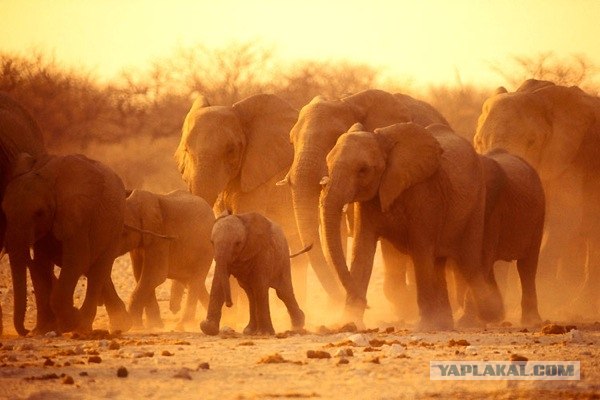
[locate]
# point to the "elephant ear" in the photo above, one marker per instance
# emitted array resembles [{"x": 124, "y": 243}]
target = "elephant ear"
[
  {"x": 573, "y": 125},
  {"x": 258, "y": 234},
  {"x": 78, "y": 191},
  {"x": 376, "y": 109},
  {"x": 22, "y": 164},
  {"x": 531, "y": 85},
  {"x": 267, "y": 121},
  {"x": 413, "y": 155}
]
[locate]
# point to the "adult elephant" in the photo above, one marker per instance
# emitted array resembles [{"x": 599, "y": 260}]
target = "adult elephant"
[
  {"x": 183, "y": 253},
  {"x": 557, "y": 130},
  {"x": 234, "y": 155},
  {"x": 320, "y": 124},
  {"x": 69, "y": 209},
  {"x": 18, "y": 133},
  {"x": 421, "y": 189}
]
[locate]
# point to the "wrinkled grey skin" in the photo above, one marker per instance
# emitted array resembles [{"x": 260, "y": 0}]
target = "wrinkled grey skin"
[
  {"x": 514, "y": 225},
  {"x": 185, "y": 255},
  {"x": 19, "y": 133},
  {"x": 233, "y": 156},
  {"x": 320, "y": 124},
  {"x": 424, "y": 191},
  {"x": 69, "y": 209},
  {"x": 255, "y": 251},
  {"x": 556, "y": 129}
]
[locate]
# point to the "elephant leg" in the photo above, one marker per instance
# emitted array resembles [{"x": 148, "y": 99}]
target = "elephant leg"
[
  {"x": 252, "y": 327},
  {"x": 176, "y": 296},
  {"x": 527, "y": 268},
  {"x": 189, "y": 312},
  {"x": 434, "y": 311},
  {"x": 152, "y": 310},
  {"x": 263, "y": 312},
  {"x": 140, "y": 297},
  {"x": 61, "y": 299},
  {"x": 395, "y": 285},
  {"x": 210, "y": 326},
  {"x": 42, "y": 277},
  {"x": 119, "y": 318},
  {"x": 285, "y": 292}
]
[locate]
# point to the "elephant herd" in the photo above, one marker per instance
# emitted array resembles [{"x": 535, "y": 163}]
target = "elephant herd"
[{"x": 378, "y": 167}]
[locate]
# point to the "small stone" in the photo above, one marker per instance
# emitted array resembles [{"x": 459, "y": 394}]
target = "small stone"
[
  {"x": 344, "y": 353},
  {"x": 114, "y": 345},
  {"x": 359, "y": 339},
  {"x": 374, "y": 360},
  {"x": 83, "y": 373},
  {"x": 183, "y": 373},
  {"x": 349, "y": 327},
  {"x": 317, "y": 354},
  {"x": 459, "y": 342},
  {"x": 471, "y": 349},
  {"x": 94, "y": 359},
  {"x": 25, "y": 347},
  {"x": 48, "y": 362},
  {"x": 203, "y": 365},
  {"x": 517, "y": 357},
  {"x": 103, "y": 343},
  {"x": 166, "y": 353},
  {"x": 68, "y": 380},
  {"x": 247, "y": 343},
  {"x": 389, "y": 329},
  {"x": 553, "y": 329},
  {"x": 574, "y": 335},
  {"x": 122, "y": 372},
  {"x": 376, "y": 342},
  {"x": 343, "y": 361},
  {"x": 51, "y": 334},
  {"x": 396, "y": 350}
]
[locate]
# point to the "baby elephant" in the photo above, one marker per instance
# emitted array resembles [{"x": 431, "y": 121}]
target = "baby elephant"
[
  {"x": 183, "y": 253},
  {"x": 254, "y": 250}
]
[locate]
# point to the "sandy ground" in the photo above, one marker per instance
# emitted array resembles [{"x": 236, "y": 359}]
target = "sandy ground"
[{"x": 392, "y": 362}]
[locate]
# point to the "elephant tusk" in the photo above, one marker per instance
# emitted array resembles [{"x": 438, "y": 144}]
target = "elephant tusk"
[
  {"x": 284, "y": 181},
  {"x": 2, "y": 254},
  {"x": 324, "y": 180},
  {"x": 146, "y": 232}
]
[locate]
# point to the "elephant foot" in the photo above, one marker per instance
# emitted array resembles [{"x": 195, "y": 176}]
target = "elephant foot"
[
  {"x": 531, "y": 319},
  {"x": 250, "y": 330},
  {"x": 298, "y": 320},
  {"x": 120, "y": 322},
  {"x": 209, "y": 327},
  {"x": 69, "y": 320},
  {"x": 491, "y": 310},
  {"x": 42, "y": 329},
  {"x": 156, "y": 324},
  {"x": 436, "y": 321},
  {"x": 469, "y": 320},
  {"x": 264, "y": 331}
]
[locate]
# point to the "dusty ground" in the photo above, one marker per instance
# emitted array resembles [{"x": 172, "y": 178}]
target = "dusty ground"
[{"x": 181, "y": 365}]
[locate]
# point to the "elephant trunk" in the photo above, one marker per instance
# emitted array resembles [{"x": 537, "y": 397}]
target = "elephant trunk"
[
  {"x": 305, "y": 195},
  {"x": 222, "y": 274},
  {"x": 331, "y": 214},
  {"x": 19, "y": 259}
]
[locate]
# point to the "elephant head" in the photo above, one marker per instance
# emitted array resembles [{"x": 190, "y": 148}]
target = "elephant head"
[
  {"x": 41, "y": 199},
  {"x": 551, "y": 127},
  {"x": 365, "y": 166},
  {"x": 319, "y": 126},
  {"x": 237, "y": 148}
]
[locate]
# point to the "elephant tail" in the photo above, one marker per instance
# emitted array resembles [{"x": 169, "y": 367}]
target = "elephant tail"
[{"x": 304, "y": 250}]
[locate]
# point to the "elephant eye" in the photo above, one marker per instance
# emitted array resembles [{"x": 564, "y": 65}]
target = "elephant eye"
[{"x": 362, "y": 171}]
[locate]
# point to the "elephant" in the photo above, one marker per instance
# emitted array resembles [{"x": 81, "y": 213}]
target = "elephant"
[
  {"x": 183, "y": 253},
  {"x": 515, "y": 208},
  {"x": 319, "y": 125},
  {"x": 19, "y": 133},
  {"x": 423, "y": 190},
  {"x": 556, "y": 129},
  {"x": 70, "y": 210},
  {"x": 234, "y": 155},
  {"x": 253, "y": 249}
]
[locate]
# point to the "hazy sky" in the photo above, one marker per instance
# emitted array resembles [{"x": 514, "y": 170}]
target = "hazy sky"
[{"x": 427, "y": 40}]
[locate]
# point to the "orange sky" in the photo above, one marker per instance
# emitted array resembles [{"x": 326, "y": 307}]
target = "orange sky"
[{"x": 426, "y": 40}]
